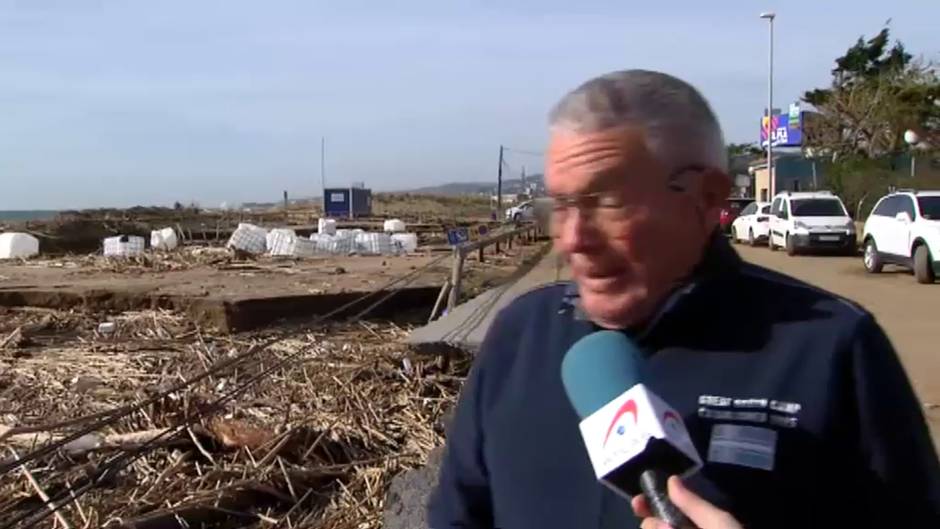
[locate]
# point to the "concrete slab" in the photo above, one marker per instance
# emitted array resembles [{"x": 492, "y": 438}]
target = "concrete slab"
[{"x": 465, "y": 326}]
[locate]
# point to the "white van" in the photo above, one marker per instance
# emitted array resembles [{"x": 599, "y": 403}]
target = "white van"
[{"x": 810, "y": 220}]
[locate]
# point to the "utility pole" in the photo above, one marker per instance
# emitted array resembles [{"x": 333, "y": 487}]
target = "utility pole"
[
  {"x": 323, "y": 171},
  {"x": 499, "y": 187},
  {"x": 286, "y": 208}
]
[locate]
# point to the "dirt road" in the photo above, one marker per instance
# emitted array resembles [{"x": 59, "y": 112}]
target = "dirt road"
[{"x": 908, "y": 311}]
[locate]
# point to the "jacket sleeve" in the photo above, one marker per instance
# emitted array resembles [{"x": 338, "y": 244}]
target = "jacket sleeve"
[
  {"x": 462, "y": 497},
  {"x": 894, "y": 440}
]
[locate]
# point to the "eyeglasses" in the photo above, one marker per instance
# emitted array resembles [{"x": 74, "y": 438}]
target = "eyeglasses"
[
  {"x": 602, "y": 207},
  {"x": 606, "y": 208}
]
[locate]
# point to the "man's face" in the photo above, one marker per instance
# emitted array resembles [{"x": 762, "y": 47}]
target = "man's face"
[{"x": 627, "y": 236}]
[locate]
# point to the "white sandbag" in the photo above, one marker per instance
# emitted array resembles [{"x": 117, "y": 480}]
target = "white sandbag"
[
  {"x": 326, "y": 226},
  {"x": 15, "y": 245},
  {"x": 124, "y": 246},
  {"x": 394, "y": 226},
  {"x": 286, "y": 246},
  {"x": 373, "y": 244},
  {"x": 248, "y": 238},
  {"x": 164, "y": 239},
  {"x": 278, "y": 232},
  {"x": 405, "y": 242}
]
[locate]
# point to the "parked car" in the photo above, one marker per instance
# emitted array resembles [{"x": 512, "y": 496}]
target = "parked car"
[
  {"x": 752, "y": 224},
  {"x": 731, "y": 212},
  {"x": 814, "y": 220},
  {"x": 904, "y": 229},
  {"x": 522, "y": 212}
]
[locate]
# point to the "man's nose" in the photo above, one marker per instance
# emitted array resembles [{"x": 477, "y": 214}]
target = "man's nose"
[{"x": 574, "y": 233}]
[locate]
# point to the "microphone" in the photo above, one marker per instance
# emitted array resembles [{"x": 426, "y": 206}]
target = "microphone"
[{"x": 634, "y": 439}]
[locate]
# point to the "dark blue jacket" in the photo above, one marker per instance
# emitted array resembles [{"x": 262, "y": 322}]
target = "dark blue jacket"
[{"x": 741, "y": 345}]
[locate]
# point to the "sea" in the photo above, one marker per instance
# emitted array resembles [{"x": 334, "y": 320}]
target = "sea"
[{"x": 27, "y": 214}]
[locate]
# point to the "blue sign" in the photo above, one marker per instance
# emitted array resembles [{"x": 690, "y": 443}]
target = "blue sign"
[{"x": 457, "y": 236}]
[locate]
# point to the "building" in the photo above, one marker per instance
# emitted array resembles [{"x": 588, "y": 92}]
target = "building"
[
  {"x": 793, "y": 171},
  {"x": 347, "y": 202}
]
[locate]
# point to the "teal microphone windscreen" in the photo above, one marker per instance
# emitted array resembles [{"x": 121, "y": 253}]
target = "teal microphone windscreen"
[{"x": 599, "y": 368}]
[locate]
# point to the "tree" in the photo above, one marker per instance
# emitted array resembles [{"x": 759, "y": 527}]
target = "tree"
[
  {"x": 877, "y": 93},
  {"x": 743, "y": 149}
]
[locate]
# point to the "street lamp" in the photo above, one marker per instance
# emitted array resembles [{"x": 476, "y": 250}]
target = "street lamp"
[
  {"x": 912, "y": 139},
  {"x": 769, "y": 16}
]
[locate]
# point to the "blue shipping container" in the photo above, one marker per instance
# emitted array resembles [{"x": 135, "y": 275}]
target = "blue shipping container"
[{"x": 347, "y": 202}]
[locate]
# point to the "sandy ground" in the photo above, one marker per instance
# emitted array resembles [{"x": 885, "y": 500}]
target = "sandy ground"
[{"x": 907, "y": 310}]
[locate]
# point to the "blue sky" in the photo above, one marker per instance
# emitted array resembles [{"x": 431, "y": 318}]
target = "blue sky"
[{"x": 117, "y": 103}]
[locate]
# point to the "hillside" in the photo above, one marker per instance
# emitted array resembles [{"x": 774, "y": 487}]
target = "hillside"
[{"x": 510, "y": 185}]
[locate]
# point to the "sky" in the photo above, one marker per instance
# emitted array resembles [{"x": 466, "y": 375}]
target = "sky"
[{"x": 120, "y": 103}]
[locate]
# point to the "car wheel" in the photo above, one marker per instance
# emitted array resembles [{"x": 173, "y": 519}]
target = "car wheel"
[
  {"x": 872, "y": 262},
  {"x": 791, "y": 247},
  {"x": 770, "y": 242},
  {"x": 750, "y": 237},
  {"x": 923, "y": 267}
]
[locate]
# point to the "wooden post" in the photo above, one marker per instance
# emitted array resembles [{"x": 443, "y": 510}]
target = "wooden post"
[
  {"x": 440, "y": 299},
  {"x": 455, "y": 277},
  {"x": 481, "y": 253},
  {"x": 497, "y": 246}
]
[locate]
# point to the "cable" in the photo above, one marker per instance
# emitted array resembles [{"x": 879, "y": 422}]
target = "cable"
[
  {"x": 525, "y": 151},
  {"x": 69, "y": 496},
  {"x": 113, "y": 416}
]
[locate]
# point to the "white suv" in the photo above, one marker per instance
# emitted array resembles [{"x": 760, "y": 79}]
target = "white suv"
[
  {"x": 904, "y": 229},
  {"x": 811, "y": 220}
]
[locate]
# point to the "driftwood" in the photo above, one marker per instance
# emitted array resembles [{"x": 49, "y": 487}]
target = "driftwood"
[{"x": 90, "y": 442}]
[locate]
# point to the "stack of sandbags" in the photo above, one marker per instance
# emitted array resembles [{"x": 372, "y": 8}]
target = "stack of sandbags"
[
  {"x": 249, "y": 238},
  {"x": 284, "y": 245},
  {"x": 124, "y": 246},
  {"x": 164, "y": 239},
  {"x": 373, "y": 244},
  {"x": 283, "y": 233},
  {"x": 15, "y": 245}
]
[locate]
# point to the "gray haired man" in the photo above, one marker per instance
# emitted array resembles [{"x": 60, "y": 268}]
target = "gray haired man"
[{"x": 637, "y": 168}]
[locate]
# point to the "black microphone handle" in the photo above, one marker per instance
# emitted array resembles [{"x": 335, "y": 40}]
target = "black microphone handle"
[{"x": 653, "y": 485}]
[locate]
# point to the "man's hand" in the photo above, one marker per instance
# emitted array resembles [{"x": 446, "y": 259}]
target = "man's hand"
[{"x": 703, "y": 514}]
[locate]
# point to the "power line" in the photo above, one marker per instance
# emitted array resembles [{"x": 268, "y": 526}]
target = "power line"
[{"x": 529, "y": 152}]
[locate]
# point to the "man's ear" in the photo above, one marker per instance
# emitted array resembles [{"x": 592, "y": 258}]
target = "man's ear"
[{"x": 715, "y": 188}]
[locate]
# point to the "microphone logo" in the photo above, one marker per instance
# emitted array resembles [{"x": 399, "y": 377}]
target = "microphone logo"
[{"x": 627, "y": 407}]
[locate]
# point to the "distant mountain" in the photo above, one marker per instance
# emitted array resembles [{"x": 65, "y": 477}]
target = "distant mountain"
[{"x": 510, "y": 185}]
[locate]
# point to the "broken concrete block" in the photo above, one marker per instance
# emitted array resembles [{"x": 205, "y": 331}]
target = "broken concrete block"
[{"x": 406, "y": 503}]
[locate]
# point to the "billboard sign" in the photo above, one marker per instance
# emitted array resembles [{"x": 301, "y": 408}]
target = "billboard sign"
[{"x": 786, "y": 129}]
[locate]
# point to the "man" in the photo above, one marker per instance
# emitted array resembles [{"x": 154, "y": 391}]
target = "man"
[{"x": 637, "y": 167}]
